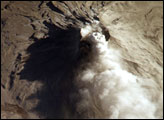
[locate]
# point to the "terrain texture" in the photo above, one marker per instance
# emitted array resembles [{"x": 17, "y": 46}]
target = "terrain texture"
[{"x": 32, "y": 78}]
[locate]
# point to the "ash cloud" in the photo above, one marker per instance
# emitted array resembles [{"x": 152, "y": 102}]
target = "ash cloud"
[{"x": 106, "y": 90}]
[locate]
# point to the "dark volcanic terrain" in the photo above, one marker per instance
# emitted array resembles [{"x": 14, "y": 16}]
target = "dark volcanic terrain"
[{"x": 40, "y": 49}]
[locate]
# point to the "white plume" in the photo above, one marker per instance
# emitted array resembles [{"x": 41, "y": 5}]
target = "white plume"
[{"x": 106, "y": 90}]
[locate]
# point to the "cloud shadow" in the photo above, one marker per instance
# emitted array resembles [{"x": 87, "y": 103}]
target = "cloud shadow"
[{"x": 51, "y": 62}]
